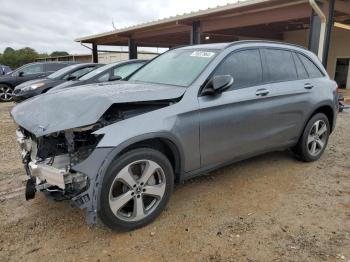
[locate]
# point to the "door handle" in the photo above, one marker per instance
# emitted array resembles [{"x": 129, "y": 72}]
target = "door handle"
[
  {"x": 262, "y": 92},
  {"x": 308, "y": 86}
]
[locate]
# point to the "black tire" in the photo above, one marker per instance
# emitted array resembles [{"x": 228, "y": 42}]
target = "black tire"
[
  {"x": 105, "y": 213},
  {"x": 6, "y": 93},
  {"x": 302, "y": 150}
]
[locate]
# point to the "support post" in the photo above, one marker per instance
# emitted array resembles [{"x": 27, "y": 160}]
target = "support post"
[
  {"x": 94, "y": 53},
  {"x": 330, "y": 21},
  {"x": 317, "y": 28},
  {"x": 195, "y": 33},
  {"x": 132, "y": 49},
  {"x": 314, "y": 34}
]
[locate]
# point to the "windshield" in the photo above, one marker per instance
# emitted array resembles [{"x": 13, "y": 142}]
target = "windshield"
[
  {"x": 95, "y": 72},
  {"x": 61, "y": 72},
  {"x": 177, "y": 67}
]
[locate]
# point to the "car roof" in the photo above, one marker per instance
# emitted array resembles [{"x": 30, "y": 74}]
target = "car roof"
[{"x": 222, "y": 46}]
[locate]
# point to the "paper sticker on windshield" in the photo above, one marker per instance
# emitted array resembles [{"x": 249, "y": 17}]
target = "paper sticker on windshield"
[{"x": 202, "y": 54}]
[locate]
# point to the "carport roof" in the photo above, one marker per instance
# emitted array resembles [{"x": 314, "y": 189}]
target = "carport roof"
[{"x": 256, "y": 18}]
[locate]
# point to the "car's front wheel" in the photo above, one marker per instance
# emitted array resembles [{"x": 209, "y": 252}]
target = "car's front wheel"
[
  {"x": 135, "y": 189},
  {"x": 6, "y": 93},
  {"x": 314, "y": 139}
]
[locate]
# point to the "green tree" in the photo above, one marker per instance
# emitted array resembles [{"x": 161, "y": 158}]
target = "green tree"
[
  {"x": 17, "y": 58},
  {"x": 59, "y": 53}
]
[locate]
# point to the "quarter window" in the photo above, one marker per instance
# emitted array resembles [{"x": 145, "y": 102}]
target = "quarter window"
[
  {"x": 311, "y": 68},
  {"x": 302, "y": 74},
  {"x": 244, "y": 66},
  {"x": 280, "y": 65}
]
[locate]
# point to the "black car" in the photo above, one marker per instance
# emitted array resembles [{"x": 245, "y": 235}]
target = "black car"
[
  {"x": 39, "y": 86},
  {"x": 110, "y": 72},
  {"x": 25, "y": 73}
]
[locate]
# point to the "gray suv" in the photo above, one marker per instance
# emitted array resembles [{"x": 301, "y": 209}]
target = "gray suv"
[{"x": 116, "y": 149}]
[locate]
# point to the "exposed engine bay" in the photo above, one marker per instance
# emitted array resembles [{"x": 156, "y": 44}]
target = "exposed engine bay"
[{"x": 49, "y": 159}]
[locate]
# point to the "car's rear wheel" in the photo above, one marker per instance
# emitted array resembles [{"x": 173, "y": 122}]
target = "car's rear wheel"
[
  {"x": 135, "y": 189},
  {"x": 314, "y": 139},
  {"x": 6, "y": 93}
]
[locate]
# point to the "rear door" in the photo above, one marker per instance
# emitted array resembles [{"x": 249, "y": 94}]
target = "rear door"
[
  {"x": 238, "y": 122},
  {"x": 288, "y": 85}
]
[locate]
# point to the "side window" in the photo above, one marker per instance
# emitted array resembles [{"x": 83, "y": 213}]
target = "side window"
[
  {"x": 244, "y": 66},
  {"x": 280, "y": 65},
  {"x": 302, "y": 73},
  {"x": 103, "y": 78},
  {"x": 125, "y": 70},
  {"x": 32, "y": 69},
  {"x": 311, "y": 68}
]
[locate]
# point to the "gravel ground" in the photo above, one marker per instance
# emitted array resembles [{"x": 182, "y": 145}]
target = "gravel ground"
[{"x": 269, "y": 208}]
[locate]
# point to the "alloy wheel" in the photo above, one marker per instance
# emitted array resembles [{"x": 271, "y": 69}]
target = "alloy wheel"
[
  {"x": 137, "y": 190},
  {"x": 6, "y": 93},
  {"x": 317, "y": 138}
]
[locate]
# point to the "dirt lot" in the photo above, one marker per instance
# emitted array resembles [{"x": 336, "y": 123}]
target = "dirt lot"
[{"x": 270, "y": 208}]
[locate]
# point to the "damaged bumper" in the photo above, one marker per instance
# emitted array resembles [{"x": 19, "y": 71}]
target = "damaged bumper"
[{"x": 62, "y": 181}]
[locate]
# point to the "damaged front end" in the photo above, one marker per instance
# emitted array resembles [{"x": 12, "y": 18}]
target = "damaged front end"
[
  {"x": 49, "y": 160},
  {"x": 60, "y": 137}
]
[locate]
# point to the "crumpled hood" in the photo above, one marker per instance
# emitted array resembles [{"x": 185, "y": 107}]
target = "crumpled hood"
[{"x": 84, "y": 105}]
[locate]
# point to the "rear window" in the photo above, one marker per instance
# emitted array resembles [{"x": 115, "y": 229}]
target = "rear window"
[
  {"x": 280, "y": 65},
  {"x": 311, "y": 68}
]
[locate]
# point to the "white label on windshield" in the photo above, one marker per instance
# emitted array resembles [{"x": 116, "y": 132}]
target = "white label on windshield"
[{"x": 202, "y": 54}]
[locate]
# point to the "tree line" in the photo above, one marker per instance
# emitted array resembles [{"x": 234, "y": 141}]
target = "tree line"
[{"x": 16, "y": 58}]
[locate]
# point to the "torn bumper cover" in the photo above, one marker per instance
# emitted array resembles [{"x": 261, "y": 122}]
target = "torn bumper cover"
[{"x": 62, "y": 181}]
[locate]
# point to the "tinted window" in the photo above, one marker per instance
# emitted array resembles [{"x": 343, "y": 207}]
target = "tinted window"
[
  {"x": 52, "y": 67},
  {"x": 126, "y": 70},
  {"x": 311, "y": 68},
  {"x": 244, "y": 67},
  {"x": 280, "y": 65},
  {"x": 302, "y": 74}
]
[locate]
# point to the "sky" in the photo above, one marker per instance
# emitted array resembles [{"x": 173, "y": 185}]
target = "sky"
[{"x": 49, "y": 25}]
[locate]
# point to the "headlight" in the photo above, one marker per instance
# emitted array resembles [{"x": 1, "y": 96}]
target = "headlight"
[{"x": 32, "y": 87}]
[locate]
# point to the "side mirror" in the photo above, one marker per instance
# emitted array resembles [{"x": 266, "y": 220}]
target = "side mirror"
[
  {"x": 114, "y": 78},
  {"x": 20, "y": 74},
  {"x": 70, "y": 78},
  {"x": 217, "y": 85}
]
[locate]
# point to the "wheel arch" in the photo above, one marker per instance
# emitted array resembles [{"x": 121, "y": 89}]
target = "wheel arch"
[
  {"x": 163, "y": 142},
  {"x": 8, "y": 84},
  {"x": 326, "y": 109}
]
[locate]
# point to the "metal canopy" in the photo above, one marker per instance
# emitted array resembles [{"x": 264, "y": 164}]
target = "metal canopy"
[{"x": 267, "y": 19}]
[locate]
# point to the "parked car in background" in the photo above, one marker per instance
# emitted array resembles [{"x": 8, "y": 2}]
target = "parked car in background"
[
  {"x": 5, "y": 70},
  {"x": 25, "y": 73},
  {"x": 116, "y": 149},
  {"x": 39, "y": 86},
  {"x": 110, "y": 72}
]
